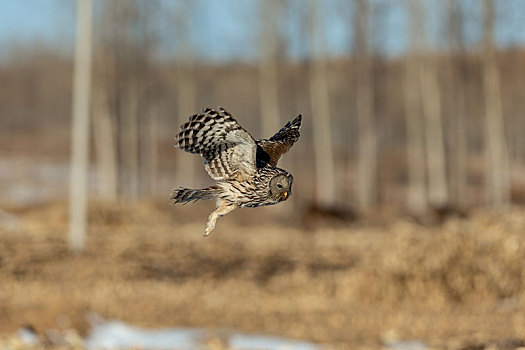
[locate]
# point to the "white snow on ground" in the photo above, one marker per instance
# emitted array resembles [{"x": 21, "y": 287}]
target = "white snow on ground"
[{"x": 118, "y": 335}]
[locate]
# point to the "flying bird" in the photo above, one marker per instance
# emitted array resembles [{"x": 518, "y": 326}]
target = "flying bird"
[{"x": 245, "y": 169}]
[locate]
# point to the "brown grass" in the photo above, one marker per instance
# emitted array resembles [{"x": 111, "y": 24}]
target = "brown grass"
[{"x": 456, "y": 285}]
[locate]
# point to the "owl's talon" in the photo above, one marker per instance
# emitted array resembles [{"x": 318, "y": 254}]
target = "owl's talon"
[{"x": 208, "y": 230}]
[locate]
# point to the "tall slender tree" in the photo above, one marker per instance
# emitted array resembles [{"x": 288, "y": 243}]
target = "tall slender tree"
[
  {"x": 268, "y": 81},
  {"x": 366, "y": 185},
  {"x": 148, "y": 90},
  {"x": 105, "y": 148},
  {"x": 496, "y": 154},
  {"x": 186, "y": 87},
  {"x": 80, "y": 127},
  {"x": 431, "y": 110},
  {"x": 457, "y": 68},
  {"x": 435, "y": 147},
  {"x": 320, "y": 104},
  {"x": 417, "y": 197}
]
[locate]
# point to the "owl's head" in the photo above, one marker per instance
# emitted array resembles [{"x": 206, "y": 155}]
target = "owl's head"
[{"x": 281, "y": 187}]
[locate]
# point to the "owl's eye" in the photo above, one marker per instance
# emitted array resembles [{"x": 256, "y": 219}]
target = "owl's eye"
[{"x": 279, "y": 186}]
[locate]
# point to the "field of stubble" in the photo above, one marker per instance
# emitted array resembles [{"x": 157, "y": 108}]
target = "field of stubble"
[{"x": 459, "y": 285}]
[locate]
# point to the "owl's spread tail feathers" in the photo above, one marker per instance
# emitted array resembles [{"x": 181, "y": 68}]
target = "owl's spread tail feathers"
[{"x": 185, "y": 195}]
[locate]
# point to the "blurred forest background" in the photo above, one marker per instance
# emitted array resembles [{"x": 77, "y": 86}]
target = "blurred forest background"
[
  {"x": 412, "y": 105},
  {"x": 407, "y": 218}
]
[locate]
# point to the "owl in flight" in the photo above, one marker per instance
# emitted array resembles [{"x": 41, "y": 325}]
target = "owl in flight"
[{"x": 245, "y": 169}]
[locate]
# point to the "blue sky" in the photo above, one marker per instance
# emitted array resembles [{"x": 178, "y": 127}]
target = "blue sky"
[
  {"x": 227, "y": 29},
  {"x": 46, "y": 21}
]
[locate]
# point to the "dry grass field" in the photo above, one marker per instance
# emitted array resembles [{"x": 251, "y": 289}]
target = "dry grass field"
[{"x": 457, "y": 286}]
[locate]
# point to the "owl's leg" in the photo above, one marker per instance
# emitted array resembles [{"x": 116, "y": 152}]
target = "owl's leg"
[{"x": 222, "y": 209}]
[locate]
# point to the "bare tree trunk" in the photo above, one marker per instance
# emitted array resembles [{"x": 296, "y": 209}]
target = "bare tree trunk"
[
  {"x": 186, "y": 90},
  {"x": 80, "y": 127},
  {"x": 520, "y": 143},
  {"x": 460, "y": 157},
  {"x": 105, "y": 148},
  {"x": 186, "y": 106},
  {"x": 367, "y": 139},
  {"x": 497, "y": 162},
  {"x": 146, "y": 39},
  {"x": 417, "y": 199},
  {"x": 268, "y": 82},
  {"x": 107, "y": 113},
  {"x": 121, "y": 43},
  {"x": 459, "y": 154},
  {"x": 320, "y": 102},
  {"x": 431, "y": 100},
  {"x": 130, "y": 138},
  {"x": 153, "y": 149},
  {"x": 431, "y": 107}
]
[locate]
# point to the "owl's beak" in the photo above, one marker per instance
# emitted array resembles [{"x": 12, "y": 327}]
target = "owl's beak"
[{"x": 285, "y": 195}]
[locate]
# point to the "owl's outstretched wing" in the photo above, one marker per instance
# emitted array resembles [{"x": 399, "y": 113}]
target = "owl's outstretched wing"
[
  {"x": 228, "y": 150},
  {"x": 270, "y": 150}
]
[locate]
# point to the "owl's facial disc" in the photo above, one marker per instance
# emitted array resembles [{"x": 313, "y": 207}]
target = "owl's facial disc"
[{"x": 280, "y": 187}]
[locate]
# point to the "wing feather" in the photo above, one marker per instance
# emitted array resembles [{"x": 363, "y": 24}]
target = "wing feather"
[
  {"x": 269, "y": 151},
  {"x": 228, "y": 150}
]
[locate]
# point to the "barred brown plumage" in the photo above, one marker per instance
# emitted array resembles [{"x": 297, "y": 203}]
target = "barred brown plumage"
[{"x": 245, "y": 168}]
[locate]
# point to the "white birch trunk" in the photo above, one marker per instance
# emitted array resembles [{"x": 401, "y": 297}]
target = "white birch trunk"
[
  {"x": 417, "y": 197},
  {"x": 186, "y": 92},
  {"x": 105, "y": 148},
  {"x": 78, "y": 193},
  {"x": 130, "y": 147},
  {"x": 320, "y": 102},
  {"x": 435, "y": 147},
  {"x": 268, "y": 81},
  {"x": 153, "y": 156},
  {"x": 497, "y": 162},
  {"x": 367, "y": 139},
  {"x": 459, "y": 154}
]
